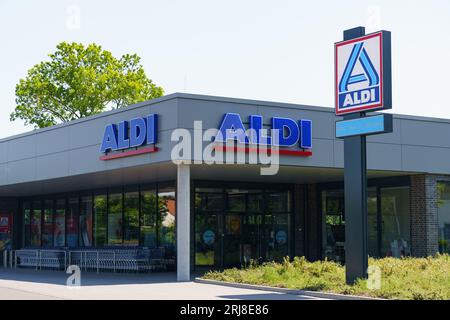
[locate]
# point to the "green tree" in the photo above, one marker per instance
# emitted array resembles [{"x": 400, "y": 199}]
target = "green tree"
[{"x": 80, "y": 81}]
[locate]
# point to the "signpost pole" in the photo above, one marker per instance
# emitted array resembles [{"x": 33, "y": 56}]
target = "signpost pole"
[{"x": 355, "y": 188}]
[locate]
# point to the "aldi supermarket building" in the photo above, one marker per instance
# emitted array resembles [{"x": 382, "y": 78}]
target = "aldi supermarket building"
[{"x": 58, "y": 190}]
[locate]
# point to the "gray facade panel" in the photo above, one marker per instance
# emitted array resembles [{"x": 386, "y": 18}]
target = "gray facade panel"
[
  {"x": 3, "y": 152},
  {"x": 81, "y": 135},
  {"x": 52, "y": 141},
  {"x": 426, "y": 159},
  {"x": 21, "y": 148},
  {"x": 383, "y": 156},
  {"x": 52, "y": 166},
  {"x": 425, "y": 133},
  {"x": 3, "y": 177},
  {"x": 21, "y": 171},
  {"x": 338, "y": 153}
]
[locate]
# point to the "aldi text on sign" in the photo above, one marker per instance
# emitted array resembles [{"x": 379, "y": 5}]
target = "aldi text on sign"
[{"x": 363, "y": 73}]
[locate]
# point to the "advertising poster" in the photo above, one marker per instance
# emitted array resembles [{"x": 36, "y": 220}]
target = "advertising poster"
[{"x": 5, "y": 230}]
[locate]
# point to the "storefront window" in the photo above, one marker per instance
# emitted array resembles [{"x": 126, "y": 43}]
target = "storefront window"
[
  {"x": 334, "y": 225},
  {"x": 209, "y": 199},
  {"x": 396, "y": 234},
  {"x": 148, "y": 218},
  {"x": 236, "y": 200},
  {"x": 47, "y": 232},
  {"x": 277, "y": 231},
  {"x": 100, "y": 220},
  {"x": 115, "y": 212},
  {"x": 206, "y": 240},
  {"x": 36, "y": 223},
  {"x": 86, "y": 222},
  {"x": 372, "y": 222},
  {"x": 444, "y": 217},
  {"x": 131, "y": 223},
  {"x": 59, "y": 231},
  {"x": 255, "y": 201},
  {"x": 167, "y": 216},
  {"x": 278, "y": 201},
  {"x": 27, "y": 222},
  {"x": 72, "y": 222}
]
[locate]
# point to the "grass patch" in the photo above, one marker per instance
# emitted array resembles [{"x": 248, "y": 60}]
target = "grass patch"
[{"x": 405, "y": 278}]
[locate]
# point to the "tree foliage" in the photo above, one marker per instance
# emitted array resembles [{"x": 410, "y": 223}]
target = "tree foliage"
[{"x": 80, "y": 81}]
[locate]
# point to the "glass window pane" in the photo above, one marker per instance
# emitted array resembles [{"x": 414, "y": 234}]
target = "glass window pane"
[
  {"x": 59, "y": 234},
  {"x": 277, "y": 233},
  {"x": 148, "y": 218},
  {"x": 444, "y": 217},
  {"x": 209, "y": 199},
  {"x": 47, "y": 232},
  {"x": 207, "y": 240},
  {"x": 27, "y": 223},
  {"x": 372, "y": 227},
  {"x": 131, "y": 218},
  {"x": 36, "y": 224},
  {"x": 279, "y": 201},
  {"x": 333, "y": 225},
  {"x": 86, "y": 222},
  {"x": 72, "y": 223},
  {"x": 255, "y": 201},
  {"x": 396, "y": 235},
  {"x": 251, "y": 238},
  {"x": 167, "y": 215},
  {"x": 236, "y": 200},
  {"x": 115, "y": 219},
  {"x": 100, "y": 238}
]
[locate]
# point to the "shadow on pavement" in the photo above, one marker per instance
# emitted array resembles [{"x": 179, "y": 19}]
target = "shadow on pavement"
[{"x": 87, "y": 278}]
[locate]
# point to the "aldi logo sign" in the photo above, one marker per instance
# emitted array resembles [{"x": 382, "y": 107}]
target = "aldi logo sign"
[{"x": 363, "y": 73}]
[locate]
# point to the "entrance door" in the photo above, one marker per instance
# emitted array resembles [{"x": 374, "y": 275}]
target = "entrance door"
[
  {"x": 251, "y": 238},
  {"x": 231, "y": 241},
  {"x": 235, "y": 226}
]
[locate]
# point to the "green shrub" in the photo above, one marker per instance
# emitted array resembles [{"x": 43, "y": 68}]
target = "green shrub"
[{"x": 405, "y": 278}]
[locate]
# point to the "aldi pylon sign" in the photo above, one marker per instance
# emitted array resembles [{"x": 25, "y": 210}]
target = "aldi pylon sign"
[{"x": 363, "y": 73}]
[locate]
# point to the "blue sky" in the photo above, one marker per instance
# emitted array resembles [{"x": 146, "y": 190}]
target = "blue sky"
[{"x": 257, "y": 49}]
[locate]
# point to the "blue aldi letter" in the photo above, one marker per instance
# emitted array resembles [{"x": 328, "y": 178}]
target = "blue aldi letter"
[
  {"x": 138, "y": 132},
  {"x": 231, "y": 128},
  {"x": 122, "y": 136},
  {"x": 280, "y": 124},
  {"x": 306, "y": 134},
  {"x": 109, "y": 139},
  {"x": 152, "y": 129}
]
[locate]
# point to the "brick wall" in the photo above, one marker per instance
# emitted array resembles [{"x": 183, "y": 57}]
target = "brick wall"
[{"x": 424, "y": 215}]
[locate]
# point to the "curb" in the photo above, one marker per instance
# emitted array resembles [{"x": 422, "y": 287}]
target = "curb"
[{"x": 316, "y": 294}]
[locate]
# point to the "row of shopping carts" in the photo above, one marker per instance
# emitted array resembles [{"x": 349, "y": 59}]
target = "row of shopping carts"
[{"x": 109, "y": 260}]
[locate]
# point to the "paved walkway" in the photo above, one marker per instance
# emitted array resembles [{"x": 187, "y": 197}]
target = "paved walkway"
[{"x": 31, "y": 284}]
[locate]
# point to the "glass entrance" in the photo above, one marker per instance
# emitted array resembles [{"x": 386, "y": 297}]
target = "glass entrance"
[
  {"x": 388, "y": 224},
  {"x": 236, "y": 226}
]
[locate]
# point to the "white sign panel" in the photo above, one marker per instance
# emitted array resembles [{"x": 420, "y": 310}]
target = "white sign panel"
[{"x": 359, "y": 78}]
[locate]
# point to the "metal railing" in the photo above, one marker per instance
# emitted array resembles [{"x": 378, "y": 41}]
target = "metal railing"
[{"x": 109, "y": 260}]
